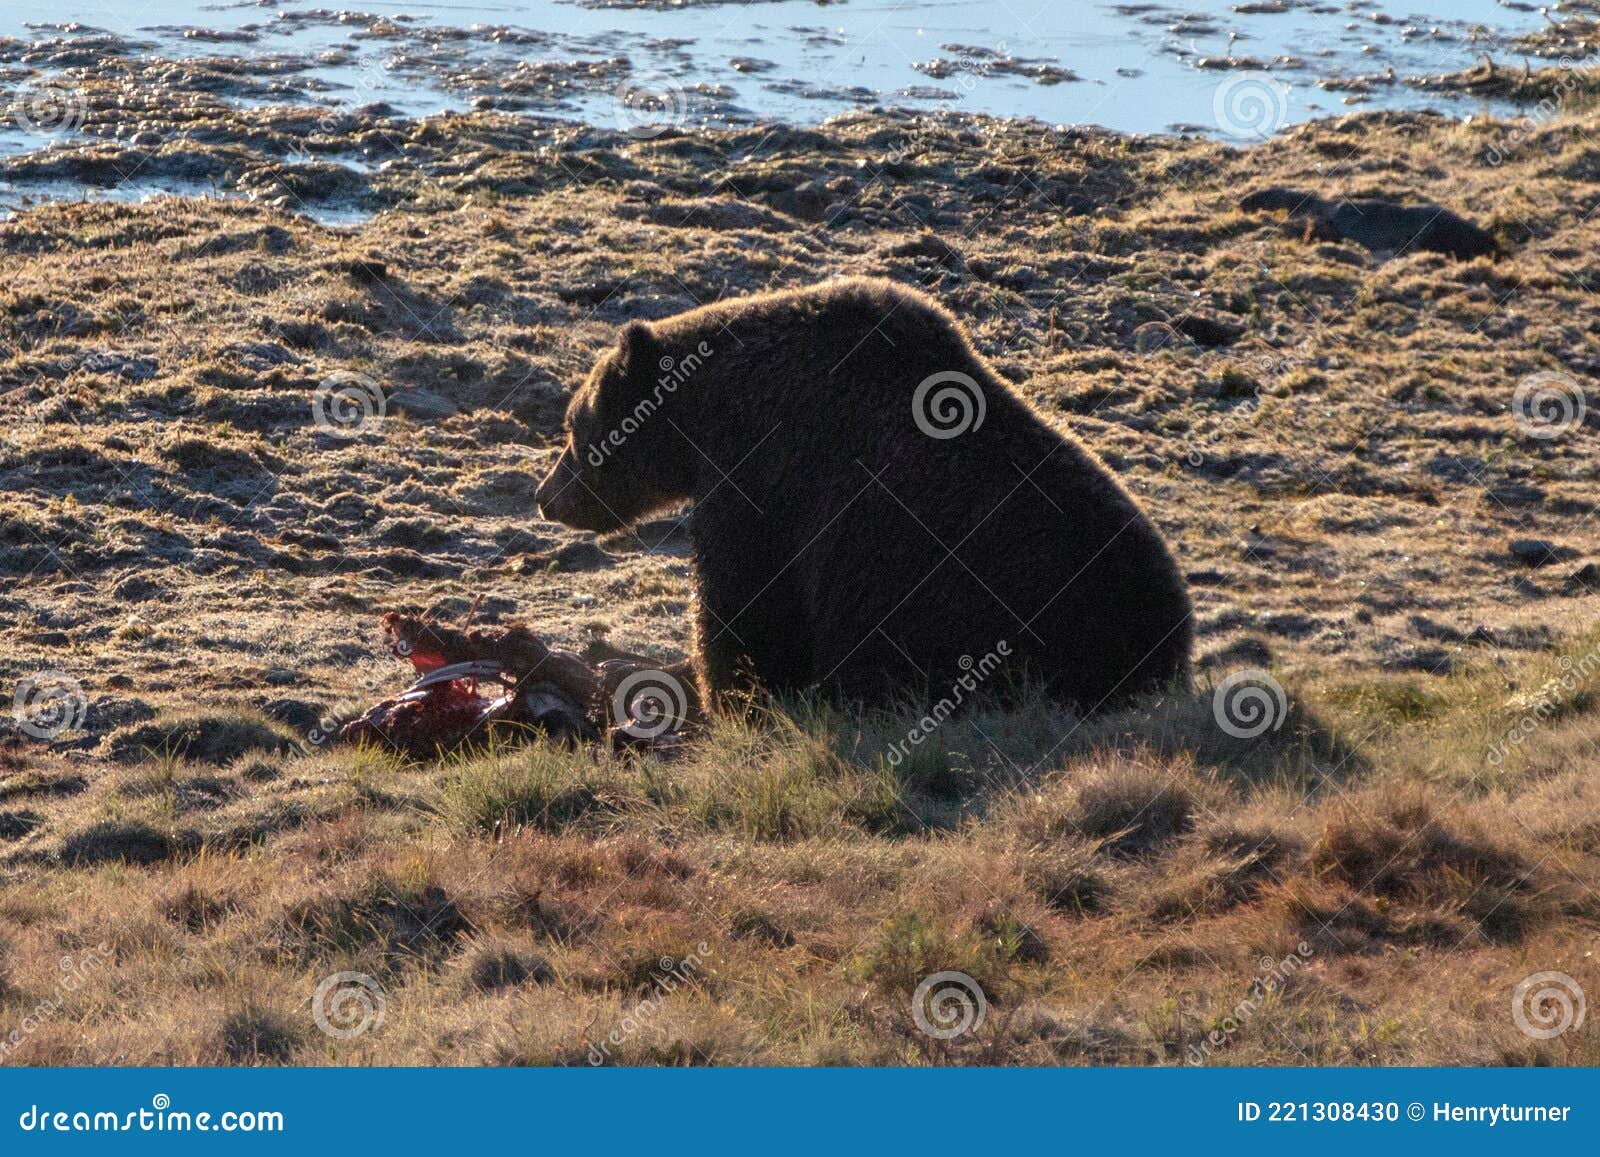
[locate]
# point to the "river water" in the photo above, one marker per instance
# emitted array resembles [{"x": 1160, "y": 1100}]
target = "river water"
[{"x": 1136, "y": 67}]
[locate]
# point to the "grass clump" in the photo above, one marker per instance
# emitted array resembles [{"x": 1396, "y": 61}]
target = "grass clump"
[
  {"x": 490, "y": 968},
  {"x": 118, "y": 842},
  {"x": 254, "y": 1036},
  {"x": 386, "y": 925},
  {"x": 541, "y": 786},
  {"x": 216, "y": 738}
]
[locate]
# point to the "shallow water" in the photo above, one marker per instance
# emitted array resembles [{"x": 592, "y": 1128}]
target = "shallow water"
[
  {"x": 1138, "y": 66},
  {"x": 638, "y": 64}
]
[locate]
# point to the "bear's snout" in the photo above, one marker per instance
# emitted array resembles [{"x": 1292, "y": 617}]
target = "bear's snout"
[
  {"x": 555, "y": 494},
  {"x": 564, "y": 497}
]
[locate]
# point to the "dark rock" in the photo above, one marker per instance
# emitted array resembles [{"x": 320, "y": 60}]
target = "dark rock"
[
  {"x": 1207, "y": 332},
  {"x": 1540, "y": 552},
  {"x": 1379, "y": 225},
  {"x": 1586, "y": 576}
]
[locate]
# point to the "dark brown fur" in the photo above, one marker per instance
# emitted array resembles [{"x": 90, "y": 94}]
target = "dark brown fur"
[{"x": 838, "y": 545}]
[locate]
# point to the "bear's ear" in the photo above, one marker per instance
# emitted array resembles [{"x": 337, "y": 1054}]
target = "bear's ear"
[{"x": 638, "y": 350}]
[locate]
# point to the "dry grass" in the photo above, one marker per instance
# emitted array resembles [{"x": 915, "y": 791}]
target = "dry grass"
[
  {"x": 208, "y": 564},
  {"x": 1114, "y": 903}
]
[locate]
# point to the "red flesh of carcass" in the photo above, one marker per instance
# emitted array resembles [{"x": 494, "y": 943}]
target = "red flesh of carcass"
[{"x": 553, "y": 691}]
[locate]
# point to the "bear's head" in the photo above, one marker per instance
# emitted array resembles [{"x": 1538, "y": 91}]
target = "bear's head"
[{"x": 624, "y": 457}]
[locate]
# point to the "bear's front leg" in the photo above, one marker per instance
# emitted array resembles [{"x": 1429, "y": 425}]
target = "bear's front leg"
[{"x": 751, "y": 637}]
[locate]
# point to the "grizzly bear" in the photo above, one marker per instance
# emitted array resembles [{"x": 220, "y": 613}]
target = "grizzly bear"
[{"x": 875, "y": 511}]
